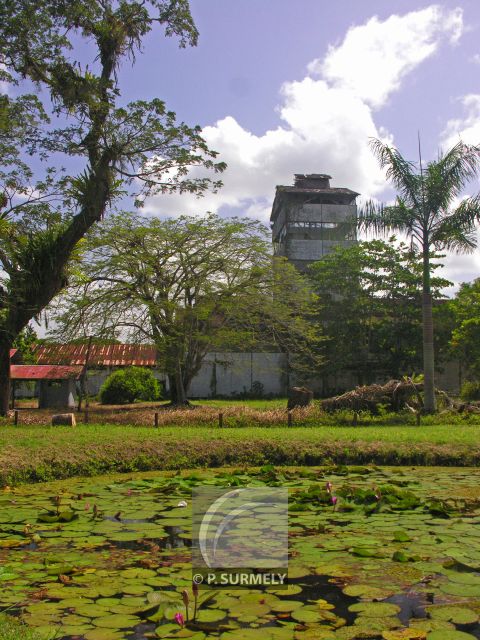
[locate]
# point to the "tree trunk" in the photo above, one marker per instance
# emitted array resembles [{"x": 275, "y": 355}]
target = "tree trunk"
[
  {"x": 178, "y": 395},
  {"x": 4, "y": 377},
  {"x": 428, "y": 352}
]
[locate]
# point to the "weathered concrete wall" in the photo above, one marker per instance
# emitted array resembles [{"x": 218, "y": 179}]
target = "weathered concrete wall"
[
  {"x": 449, "y": 379},
  {"x": 228, "y": 374}
]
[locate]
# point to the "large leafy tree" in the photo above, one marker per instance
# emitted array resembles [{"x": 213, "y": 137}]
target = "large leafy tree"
[
  {"x": 117, "y": 149},
  {"x": 465, "y": 343},
  {"x": 370, "y": 310},
  {"x": 425, "y": 210},
  {"x": 189, "y": 285}
]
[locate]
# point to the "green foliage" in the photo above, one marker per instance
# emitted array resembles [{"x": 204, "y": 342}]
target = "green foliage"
[
  {"x": 465, "y": 309},
  {"x": 190, "y": 285},
  {"x": 121, "y": 150},
  {"x": 423, "y": 211},
  {"x": 470, "y": 391},
  {"x": 25, "y": 342},
  {"x": 370, "y": 308},
  {"x": 130, "y": 384}
]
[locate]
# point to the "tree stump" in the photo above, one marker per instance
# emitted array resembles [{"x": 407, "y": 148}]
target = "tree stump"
[
  {"x": 64, "y": 419},
  {"x": 299, "y": 397}
]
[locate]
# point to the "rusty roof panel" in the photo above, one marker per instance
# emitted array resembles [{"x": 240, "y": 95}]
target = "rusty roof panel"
[
  {"x": 13, "y": 352},
  {"x": 44, "y": 372},
  {"x": 109, "y": 355}
]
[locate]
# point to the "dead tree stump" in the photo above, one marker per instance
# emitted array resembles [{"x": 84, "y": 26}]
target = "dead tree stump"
[
  {"x": 299, "y": 397},
  {"x": 64, "y": 419}
]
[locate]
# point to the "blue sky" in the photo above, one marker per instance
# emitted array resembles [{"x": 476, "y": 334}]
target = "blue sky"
[{"x": 284, "y": 87}]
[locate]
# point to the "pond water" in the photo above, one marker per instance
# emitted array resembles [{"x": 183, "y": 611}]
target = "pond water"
[{"x": 396, "y": 557}]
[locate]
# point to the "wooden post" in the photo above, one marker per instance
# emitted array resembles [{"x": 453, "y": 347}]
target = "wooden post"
[
  {"x": 289, "y": 414},
  {"x": 86, "y": 415},
  {"x": 13, "y": 393},
  {"x": 418, "y": 418},
  {"x": 156, "y": 418},
  {"x": 220, "y": 419},
  {"x": 15, "y": 418},
  {"x": 355, "y": 418}
]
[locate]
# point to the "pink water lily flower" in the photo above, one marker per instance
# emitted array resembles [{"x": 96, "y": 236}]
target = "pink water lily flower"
[
  {"x": 329, "y": 486},
  {"x": 334, "y": 500},
  {"x": 179, "y": 619}
]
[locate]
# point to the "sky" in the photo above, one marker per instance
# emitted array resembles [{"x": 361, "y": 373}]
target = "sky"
[{"x": 282, "y": 87}]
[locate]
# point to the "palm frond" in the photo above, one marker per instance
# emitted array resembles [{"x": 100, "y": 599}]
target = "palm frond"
[
  {"x": 402, "y": 173},
  {"x": 457, "y": 231},
  {"x": 383, "y": 219},
  {"x": 447, "y": 176}
]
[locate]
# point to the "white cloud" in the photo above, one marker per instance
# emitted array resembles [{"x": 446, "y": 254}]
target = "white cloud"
[
  {"x": 375, "y": 57},
  {"x": 463, "y": 267},
  {"x": 466, "y": 128},
  {"x": 327, "y": 117}
]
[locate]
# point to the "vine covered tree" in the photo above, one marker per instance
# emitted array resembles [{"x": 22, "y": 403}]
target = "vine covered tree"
[
  {"x": 425, "y": 211},
  {"x": 124, "y": 150},
  {"x": 189, "y": 285}
]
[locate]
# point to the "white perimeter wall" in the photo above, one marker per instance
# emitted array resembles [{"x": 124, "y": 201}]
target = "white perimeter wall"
[{"x": 238, "y": 372}]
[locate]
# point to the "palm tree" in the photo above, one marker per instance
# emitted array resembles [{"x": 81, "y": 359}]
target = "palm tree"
[{"x": 424, "y": 210}]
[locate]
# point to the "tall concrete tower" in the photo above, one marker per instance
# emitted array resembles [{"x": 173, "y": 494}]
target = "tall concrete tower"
[{"x": 311, "y": 218}]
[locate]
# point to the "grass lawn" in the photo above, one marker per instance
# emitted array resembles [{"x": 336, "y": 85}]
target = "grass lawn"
[
  {"x": 33, "y": 453},
  {"x": 10, "y": 629}
]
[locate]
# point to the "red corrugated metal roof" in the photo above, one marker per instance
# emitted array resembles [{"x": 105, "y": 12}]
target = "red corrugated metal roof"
[
  {"x": 13, "y": 352},
  {"x": 109, "y": 355},
  {"x": 44, "y": 372}
]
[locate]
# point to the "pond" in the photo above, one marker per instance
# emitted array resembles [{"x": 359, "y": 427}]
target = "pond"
[{"x": 395, "y": 555}]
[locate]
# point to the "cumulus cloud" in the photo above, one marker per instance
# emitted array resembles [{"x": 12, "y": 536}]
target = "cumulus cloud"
[
  {"x": 375, "y": 57},
  {"x": 466, "y": 128},
  {"x": 326, "y": 118}
]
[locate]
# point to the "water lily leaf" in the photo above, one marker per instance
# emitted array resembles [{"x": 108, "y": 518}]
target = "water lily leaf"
[
  {"x": 165, "y": 630},
  {"x": 12, "y": 543},
  {"x": 458, "y": 589},
  {"x": 457, "y": 615},
  {"x": 368, "y": 591},
  {"x": 104, "y": 634},
  {"x": 116, "y": 621},
  {"x": 427, "y": 624},
  {"x": 446, "y": 634},
  {"x": 401, "y": 536},
  {"x": 282, "y": 606},
  {"x": 366, "y": 552},
  {"x": 404, "y": 634},
  {"x": 375, "y": 609},
  {"x": 91, "y": 610},
  {"x": 302, "y": 614},
  {"x": 211, "y": 615},
  {"x": 74, "y": 630}
]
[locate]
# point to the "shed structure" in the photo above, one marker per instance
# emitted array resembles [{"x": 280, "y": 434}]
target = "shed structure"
[
  {"x": 103, "y": 359},
  {"x": 56, "y": 384}
]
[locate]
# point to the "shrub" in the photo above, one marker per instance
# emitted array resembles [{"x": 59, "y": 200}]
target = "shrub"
[
  {"x": 130, "y": 384},
  {"x": 470, "y": 391}
]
